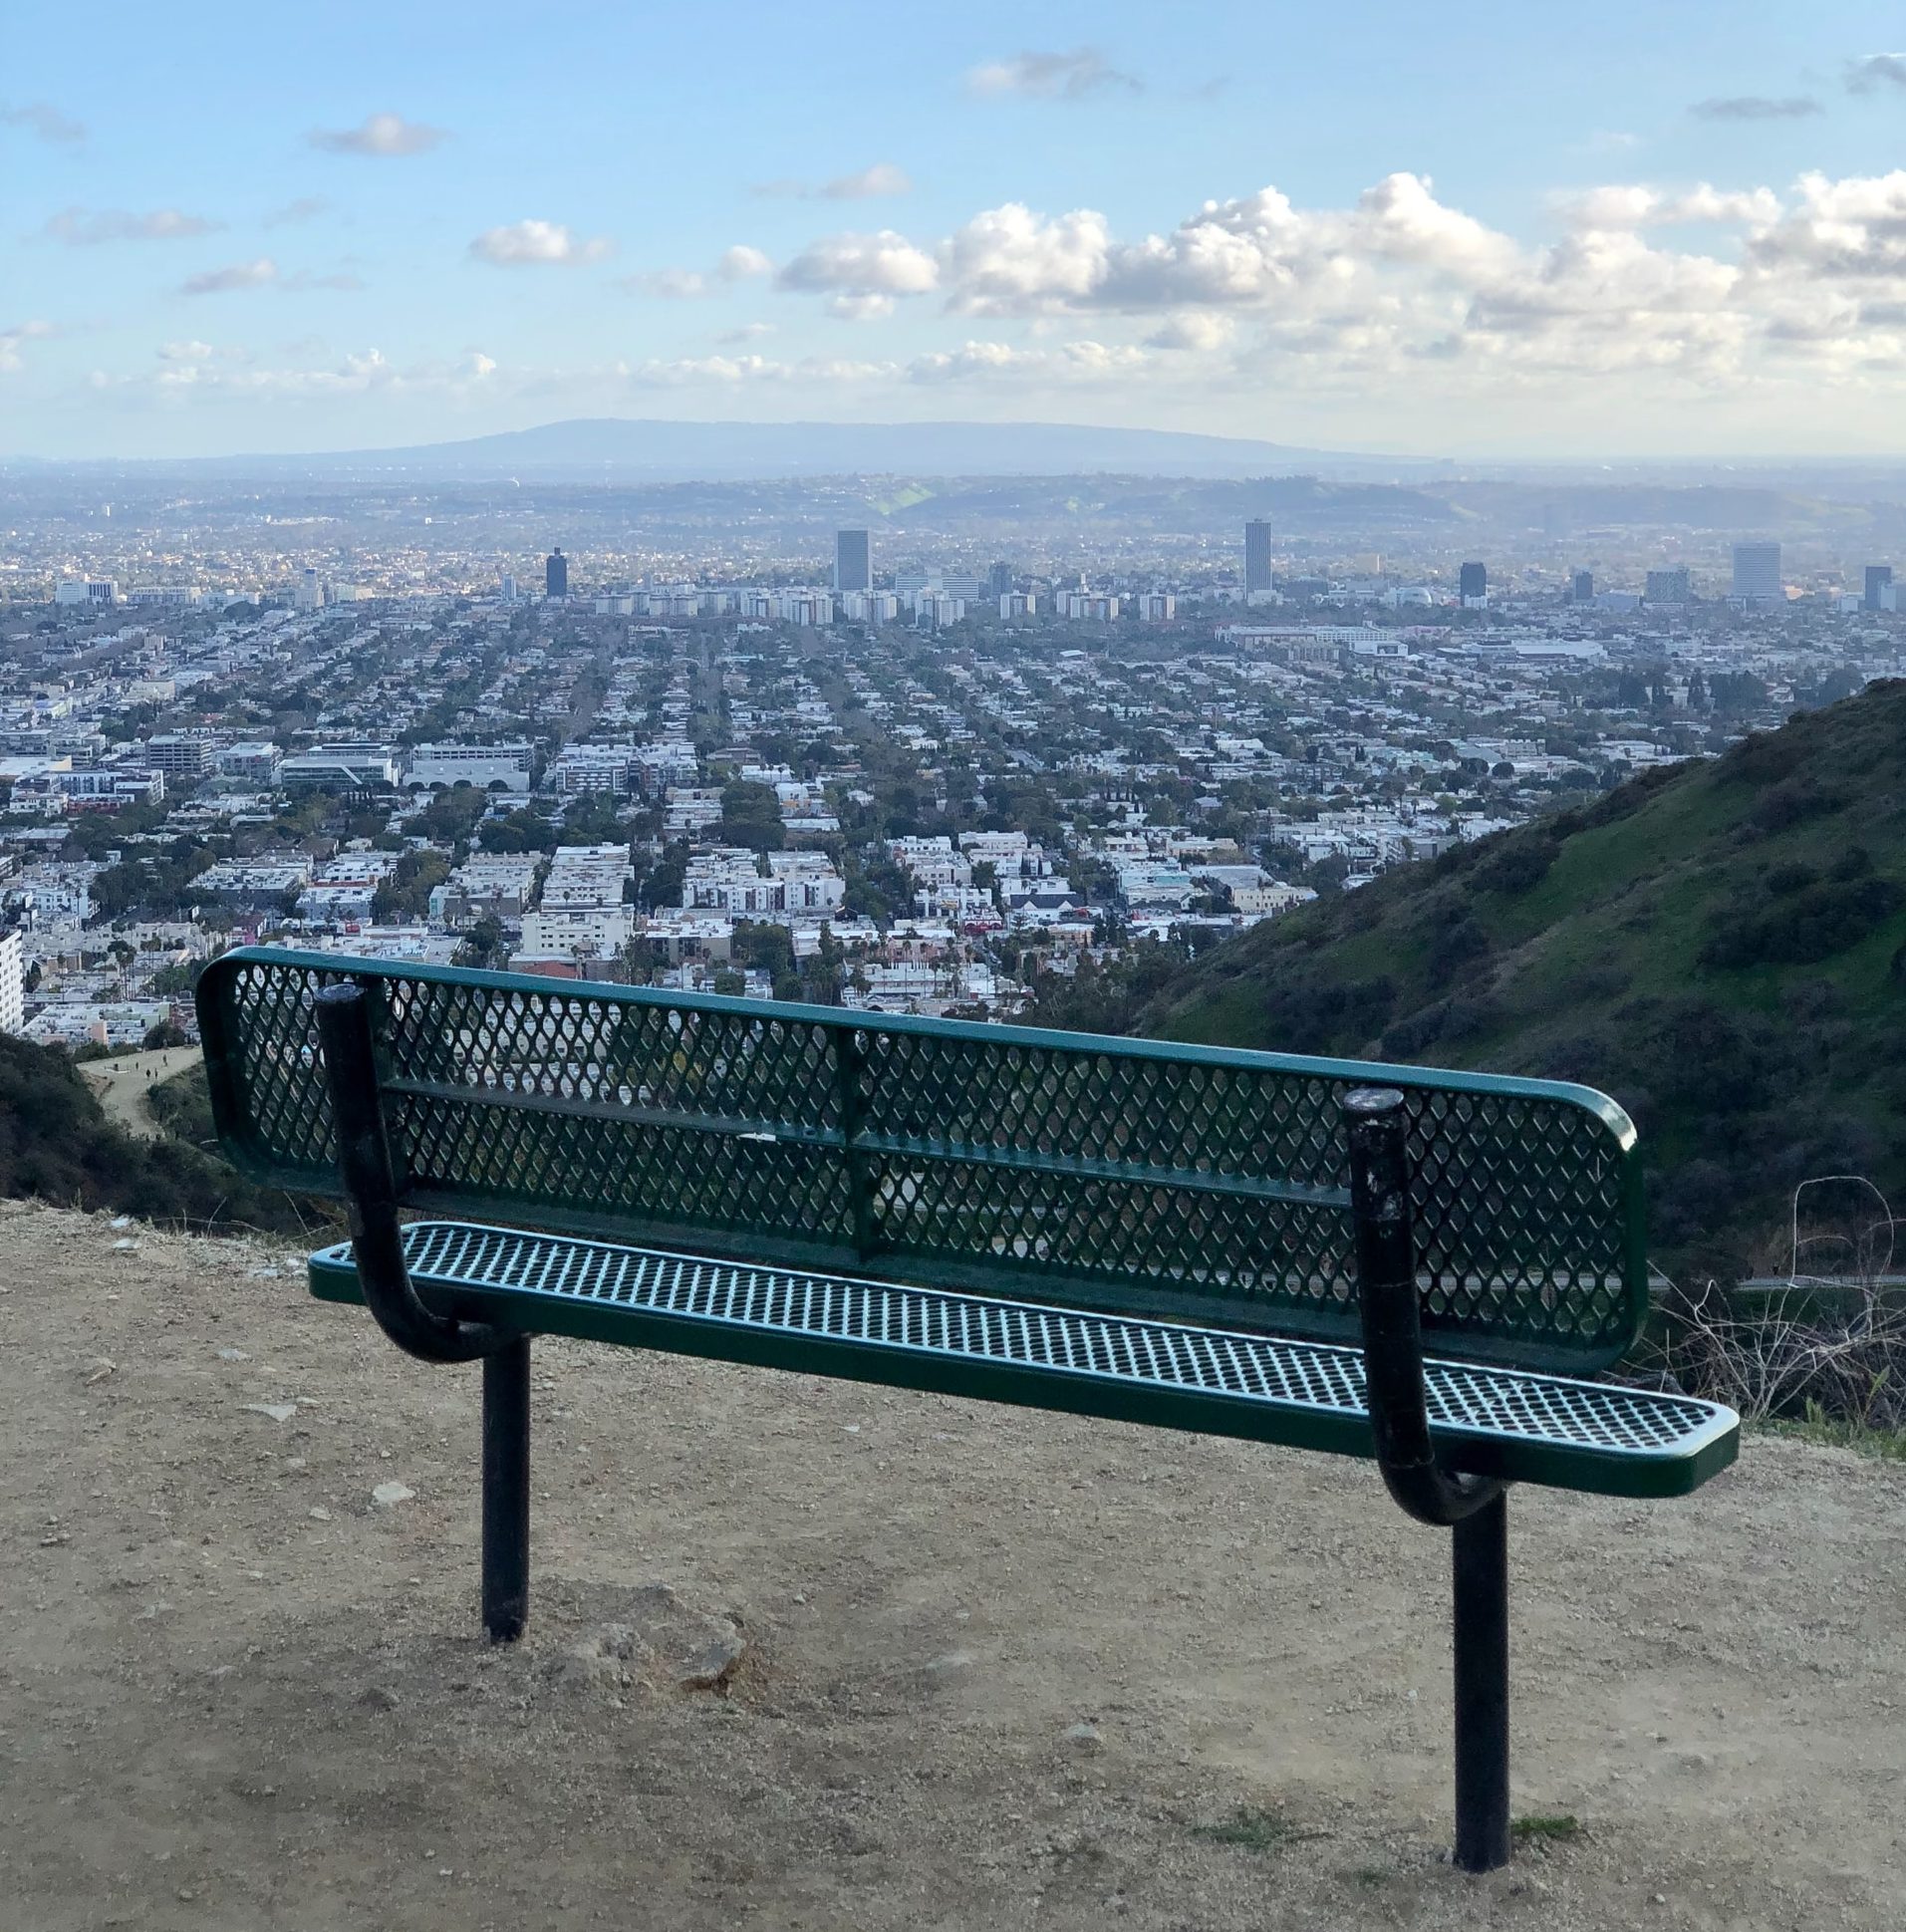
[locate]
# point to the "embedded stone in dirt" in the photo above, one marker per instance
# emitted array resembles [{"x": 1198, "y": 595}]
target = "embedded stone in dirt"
[{"x": 658, "y": 1643}]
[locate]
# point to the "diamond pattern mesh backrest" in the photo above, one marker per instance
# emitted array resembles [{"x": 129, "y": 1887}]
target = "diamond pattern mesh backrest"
[{"x": 1121, "y": 1174}]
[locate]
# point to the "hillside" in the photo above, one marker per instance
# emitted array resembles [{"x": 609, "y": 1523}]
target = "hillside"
[
  {"x": 1720, "y": 944},
  {"x": 57, "y": 1145}
]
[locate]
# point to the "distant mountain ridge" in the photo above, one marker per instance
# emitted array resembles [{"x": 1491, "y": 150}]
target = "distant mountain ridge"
[{"x": 629, "y": 448}]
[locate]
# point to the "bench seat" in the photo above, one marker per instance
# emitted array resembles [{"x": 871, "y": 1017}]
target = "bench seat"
[{"x": 1486, "y": 1421}]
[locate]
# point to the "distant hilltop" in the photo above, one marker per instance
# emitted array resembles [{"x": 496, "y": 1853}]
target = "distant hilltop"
[{"x": 635, "y": 449}]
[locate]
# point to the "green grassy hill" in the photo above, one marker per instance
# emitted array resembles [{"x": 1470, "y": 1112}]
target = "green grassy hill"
[{"x": 1720, "y": 944}]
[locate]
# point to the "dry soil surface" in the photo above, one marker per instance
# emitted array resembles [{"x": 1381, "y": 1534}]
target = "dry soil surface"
[{"x": 995, "y": 1669}]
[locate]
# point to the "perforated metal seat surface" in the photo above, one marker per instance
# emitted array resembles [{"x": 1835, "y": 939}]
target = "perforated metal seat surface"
[{"x": 1550, "y": 1430}]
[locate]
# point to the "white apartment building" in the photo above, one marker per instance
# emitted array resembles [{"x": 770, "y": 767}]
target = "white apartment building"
[
  {"x": 481, "y": 765},
  {"x": 932, "y": 862},
  {"x": 13, "y": 986},
  {"x": 592, "y": 768},
  {"x": 487, "y": 885},
  {"x": 87, "y": 590},
  {"x": 585, "y": 876},
  {"x": 797, "y": 884},
  {"x": 576, "y": 933}
]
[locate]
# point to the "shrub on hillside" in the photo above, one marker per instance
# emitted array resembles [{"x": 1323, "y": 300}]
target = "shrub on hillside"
[{"x": 1810, "y": 924}]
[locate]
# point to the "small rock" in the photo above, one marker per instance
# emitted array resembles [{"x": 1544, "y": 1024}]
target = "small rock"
[
  {"x": 1083, "y": 1736},
  {"x": 320, "y": 1513},
  {"x": 385, "y": 1495},
  {"x": 380, "y": 1698},
  {"x": 125, "y": 1247},
  {"x": 711, "y": 1665},
  {"x": 277, "y": 1411},
  {"x": 120, "y": 1220},
  {"x": 234, "y": 1355},
  {"x": 949, "y": 1665},
  {"x": 102, "y": 1367}
]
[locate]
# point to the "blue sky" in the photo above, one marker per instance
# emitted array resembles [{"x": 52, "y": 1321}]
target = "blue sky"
[{"x": 1474, "y": 229}]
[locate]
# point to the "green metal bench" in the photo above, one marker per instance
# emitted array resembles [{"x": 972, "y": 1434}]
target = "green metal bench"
[{"x": 1245, "y": 1244}]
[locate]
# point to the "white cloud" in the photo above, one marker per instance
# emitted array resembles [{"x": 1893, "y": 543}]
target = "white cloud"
[
  {"x": 1070, "y": 75},
  {"x": 748, "y": 332},
  {"x": 860, "y": 308},
  {"x": 45, "y": 123},
  {"x": 1637, "y": 206},
  {"x": 83, "y": 228},
  {"x": 1197, "y": 332},
  {"x": 382, "y": 134},
  {"x": 532, "y": 243},
  {"x": 240, "y": 275},
  {"x": 1851, "y": 228},
  {"x": 737, "y": 264},
  {"x": 879, "y": 264},
  {"x": 185, "y": 352},
  {"x": 11, "y": 339},
  {"x": 873, "y": 182}
]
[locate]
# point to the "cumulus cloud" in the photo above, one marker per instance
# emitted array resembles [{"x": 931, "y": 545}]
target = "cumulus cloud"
[
  {"x": 537, "y": 243},
  {"x": 45, "y": 123},
  {"x": 1757, "y": 106},
  {"x": 885, "y": 263},
  {"x": 1194, "y": 333},
  {"x": 1635, "y": 206},
  {"x": 1873, "y": 72},
  {"x": 240, "y": 275},
  {"x": 84, "y": 228},
  {"x": 1852, "y": 229},
  {"x": 385, "y": 136},
  {"x": 1073, "y": 76},
  {"x": 880, "y": 180},
  {"x": 11, "y": 339},
  {"x": 737, "y": 264}
]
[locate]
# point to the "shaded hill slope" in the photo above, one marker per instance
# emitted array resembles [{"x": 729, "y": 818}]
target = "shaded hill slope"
[{"x": 1720, "y": 944}]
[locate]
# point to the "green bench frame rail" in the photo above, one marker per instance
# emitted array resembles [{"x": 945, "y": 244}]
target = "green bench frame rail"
[{"x": 1239, "y": 1244}]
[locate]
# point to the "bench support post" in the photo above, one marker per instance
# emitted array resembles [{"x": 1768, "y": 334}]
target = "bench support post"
[
  {"x": 1480, "y": 1576},
  {"x": 506, "y": 1491},
  {"x": 1471, "y": 1507}
]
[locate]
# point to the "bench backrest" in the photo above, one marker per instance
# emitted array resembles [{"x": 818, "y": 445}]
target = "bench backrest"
[{"x": 1132, "y": 1175}]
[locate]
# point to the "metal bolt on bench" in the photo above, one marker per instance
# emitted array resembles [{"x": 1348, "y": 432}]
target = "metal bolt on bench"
[{"x": 1250, "y": 1244}]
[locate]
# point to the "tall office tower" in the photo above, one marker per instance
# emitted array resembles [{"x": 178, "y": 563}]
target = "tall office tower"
[
  {"x": 1472, "y": 581},
  {"x": 1257, "y": 557},
  {"x": 1757, "y": 573},
  {"x": 852, "y": 561},
  {"x": 556, "y": 574},
  {"x": 509, "y": 588},
  {"x": 1878, "y": 576},
  {"x": 1669, "y": 586},
  {"x": 1584, "y": 590},
  {"x": 999, "y": 581}
]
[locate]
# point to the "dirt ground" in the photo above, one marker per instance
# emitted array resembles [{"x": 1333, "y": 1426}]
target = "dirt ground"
[
  {"x": 999, "y": 1669},
  {"x": 123, "y": 1083}
]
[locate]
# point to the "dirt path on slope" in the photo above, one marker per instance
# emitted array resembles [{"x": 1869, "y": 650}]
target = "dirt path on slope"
[
  {"x": 123, "y": 1083},
  {"x": 1000, "y": 1669}
]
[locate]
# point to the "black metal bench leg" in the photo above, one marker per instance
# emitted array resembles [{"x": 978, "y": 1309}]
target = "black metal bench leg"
[
  {"x": 1479, "y": 1562},
  {"x": 506, "y": 1491}
]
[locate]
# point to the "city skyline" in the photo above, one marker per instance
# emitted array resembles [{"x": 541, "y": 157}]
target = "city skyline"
[{"x": 1380, "y": 231}]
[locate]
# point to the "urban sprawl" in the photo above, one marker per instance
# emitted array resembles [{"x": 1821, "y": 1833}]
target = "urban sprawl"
[{"x": 920, "y": 790}]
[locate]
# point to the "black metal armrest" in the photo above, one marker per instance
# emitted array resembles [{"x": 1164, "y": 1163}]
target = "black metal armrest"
[
  {"x": 371, "y": 1193},
  {"x": 1391, "y": 1326}
]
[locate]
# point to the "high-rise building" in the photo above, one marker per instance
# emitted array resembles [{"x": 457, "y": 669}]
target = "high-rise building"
[
  {"x": 852, "y": 561},
  {"x": 1669, "y": 586},
  {"x": 509, "y": 588},
  {"x": 1583, "y": 588},
  {"x": 1473, "y": 583},
  {"x": 13, "y": 1012},
  {"x": 1757, "y": 573},
  {"x": 1257, "y": 558},
  {"x": 1878, "y": 576},
  {"x": 999, "y": 581},
  {"x": 556, "y": 574}
]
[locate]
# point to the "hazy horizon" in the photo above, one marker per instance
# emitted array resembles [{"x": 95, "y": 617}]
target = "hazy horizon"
[{"x": 1487, "y": 239}]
